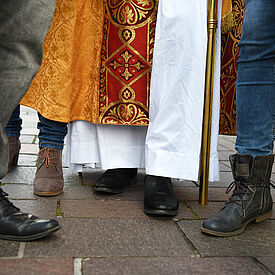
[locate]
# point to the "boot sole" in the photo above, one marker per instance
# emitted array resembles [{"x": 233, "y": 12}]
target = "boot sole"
[
  {"x": 48, "y": 194},
  {"x": 31, "y": 237},
  {"x": 155, "y": 212},
  {"x": 261, "y": 218}
]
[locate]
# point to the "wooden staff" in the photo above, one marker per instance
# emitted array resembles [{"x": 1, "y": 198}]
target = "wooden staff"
[{"x": 212, "y": 24}]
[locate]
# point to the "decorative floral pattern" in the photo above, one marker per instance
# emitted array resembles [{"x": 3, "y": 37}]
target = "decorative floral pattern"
[
  {"x": 230, "y": 52},
  {"x": 130, "y": 12},
  {"x": 129, "y": 30}
]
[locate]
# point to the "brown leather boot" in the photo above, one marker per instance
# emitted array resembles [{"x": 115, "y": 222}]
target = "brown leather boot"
[
  {"x": 14, "y": 148},
  {"x": 49, "y": 175}
]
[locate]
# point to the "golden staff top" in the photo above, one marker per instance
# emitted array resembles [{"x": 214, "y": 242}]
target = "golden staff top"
[{"x": 212, "y": 24}]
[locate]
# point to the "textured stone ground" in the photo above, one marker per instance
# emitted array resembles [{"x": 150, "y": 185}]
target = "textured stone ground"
[{"x": 111, "y": 235}]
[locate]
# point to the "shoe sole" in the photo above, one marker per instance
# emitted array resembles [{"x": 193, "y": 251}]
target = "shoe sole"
[
  {"x": 48, "y": 194},
  {"x": 160, "y": 212},
  {"x": 114, "y": 191},
  {"x": 261, "y": 218},
  {"x": 31, "y": 237}
]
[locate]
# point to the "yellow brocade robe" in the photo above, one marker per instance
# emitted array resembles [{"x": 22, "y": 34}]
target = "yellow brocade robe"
[{"x": 66, "y": 86}]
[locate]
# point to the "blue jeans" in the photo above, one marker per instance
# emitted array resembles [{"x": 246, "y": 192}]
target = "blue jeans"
[
  {"x": 256, "y": 80},
  {"x": 13, "y": 127},
  {"x": 51, "y": 133}
]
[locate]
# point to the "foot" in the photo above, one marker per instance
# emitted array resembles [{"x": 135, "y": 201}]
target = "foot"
[
  {"x": 160, "y": 198},
  {"x": 251, "y": 199},
  {"x": 14, "y": 148},
  {"x": 18, "y": 226},
  {"x": 49, "y": 179},
  {"x": 114, "y": 181}
]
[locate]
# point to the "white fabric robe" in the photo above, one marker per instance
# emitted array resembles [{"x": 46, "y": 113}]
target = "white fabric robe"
[{"x": 173, "y": 140}]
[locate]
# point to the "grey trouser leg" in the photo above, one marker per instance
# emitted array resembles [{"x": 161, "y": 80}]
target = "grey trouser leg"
[{"x": 23, "y": 27}]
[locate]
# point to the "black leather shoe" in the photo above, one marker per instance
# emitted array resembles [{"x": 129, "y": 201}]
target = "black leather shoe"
[
  {"x": 159, "y": 197},
  {"x": 18, "y": 226},
  {"x": 114, "y": 181},
  {"x": 251, "y": 199}
]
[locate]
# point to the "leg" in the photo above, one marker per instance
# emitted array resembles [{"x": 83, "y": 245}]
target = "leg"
[
  {"x": 252, "y": 166},
  {"x": 12, "y": 131},
  {"x": 23, "y": 26},
  {"x": 49, "y": 176},
  {"x": 121, "y": 151}
]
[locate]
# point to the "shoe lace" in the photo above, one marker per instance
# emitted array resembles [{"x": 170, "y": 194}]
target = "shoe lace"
[
  {"x": 4, "y": 196},
  {"x": 47, "y": 159},
  {"x": 240, "y": 189}
]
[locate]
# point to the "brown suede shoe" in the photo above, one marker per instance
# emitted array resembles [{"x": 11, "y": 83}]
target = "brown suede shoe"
[
  {"x": 14, "y": 148},
  {"x": 49, "y": 175}
]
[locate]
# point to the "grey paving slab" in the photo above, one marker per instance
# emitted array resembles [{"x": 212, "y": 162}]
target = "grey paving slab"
[
  {"x": 133, "y": 192},
  {"x": 29, "y": 266},
  {"x": 20, "y": 175},
  {"x": 224, "y": 155},
  {"x": 112, "y": 237},
  {"x": 8, "y": 248},
  {"x": 27, "y": 160},
  {"x": 30, "y": 149},
  {"x": 70, "y": 192},
  {"x": 225, "y": 179},
  {"x": 27, "y": 139},
  {"x": 25, "y": 175},
  {"x": 192, "y": 193},
  {"x": 171, "y": 265},
  {"x": 268, "y": 262},
  {"x": 258, "y": 240},
  {"x": 112, "y": 209},
  {"x": 29, "y": 131},
  {"x": 224, "y": 167},
  {"x": 183, "y": 183},
  {"x": 207, "y": 210},
  {"x": 42, "y": 209}
]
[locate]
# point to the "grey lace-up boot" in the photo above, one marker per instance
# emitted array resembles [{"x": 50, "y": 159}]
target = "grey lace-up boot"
[{"x": 251, "y": 199}]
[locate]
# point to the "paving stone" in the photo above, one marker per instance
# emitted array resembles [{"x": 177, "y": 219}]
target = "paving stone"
[
  {"x": 29, "y": 131},
  {"x": 225, "y": 179},
  {"x": 25, "y": 175},
  {"x": 27, "y": 160},
  {"x": 42, "y": 209},
  {"x": 224, "y": 155},
  {"x": 70, "y": 192},
  {"x": 112, "y": 237},
  {"x": 258, "y": 240},
  {"x": 8, "y": 249},
  {"x": 29, "y": 266},
  {"x": 268, "y": 262},
  {"x": 192, "y": 193},
  {"x": 28, "y": 139},
  {"x": 112, "y": 209},
  {"x": 207, "y": 210},
  {"x": 20, "y": 175},
  {"x": 171, "y": 265},
  {"x": 224, "y": 167},
  {"x": 184, "y": 183},
  {"x": 31, "y": 149},
  {"x": 133, "y": 192}
]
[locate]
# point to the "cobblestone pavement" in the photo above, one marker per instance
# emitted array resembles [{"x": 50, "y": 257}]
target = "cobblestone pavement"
[{"x": 111, "y": 234}]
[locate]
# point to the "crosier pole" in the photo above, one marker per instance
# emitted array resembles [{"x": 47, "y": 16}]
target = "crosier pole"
[{"x": 212, "y": 24}]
